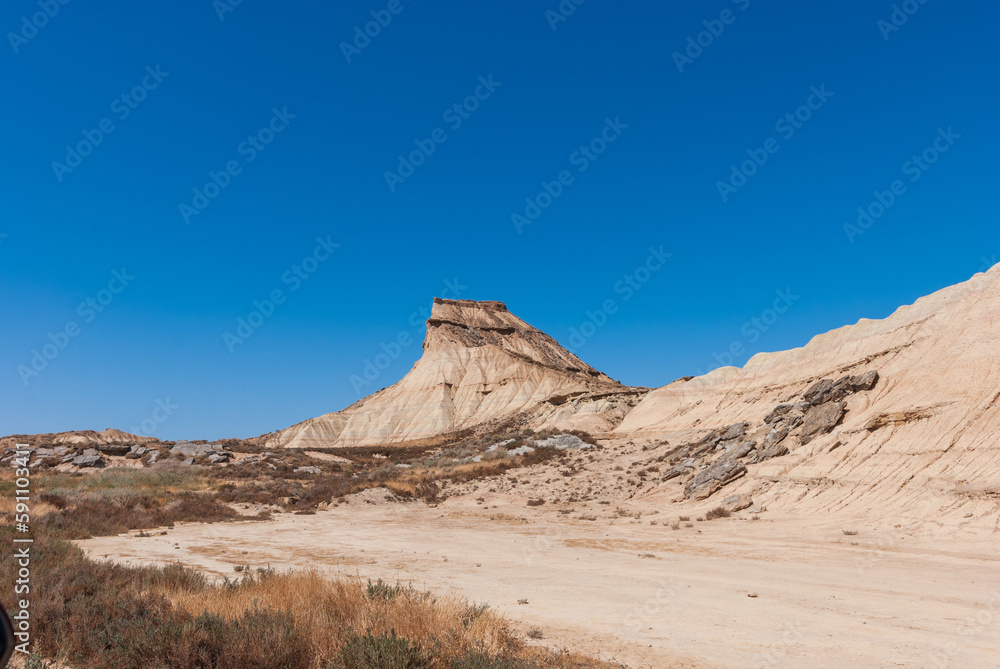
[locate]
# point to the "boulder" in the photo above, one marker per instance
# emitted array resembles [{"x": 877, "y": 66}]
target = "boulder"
[
  {"x": 740, "y": 450},
  {"x": 777, "y": 413},
  {"x": 88, "y": 461},
  {"x": 735, "y": 503},
  {"x": 821, "y": 419},
  {"x": 113, "y": 449},
  {"x": 188, "y": 462},
  {"x": 563, "y": 442},
  {"x": 722, "y": 472},
  {"x": 825, "y": 390},
  {"x": 216, "y": 458},
  {"x": 679, "y": 469},
  {"x": 734, "y": 431},
  {"x": 308, "y": 470}
]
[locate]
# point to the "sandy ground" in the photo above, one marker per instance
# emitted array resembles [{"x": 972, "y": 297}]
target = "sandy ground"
[{"x": 643, "y": 594}]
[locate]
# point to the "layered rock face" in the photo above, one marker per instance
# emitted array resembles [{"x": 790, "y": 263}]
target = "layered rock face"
[
  {"x": 480, "y": 364},
  {"x": 897, "y": 414}
]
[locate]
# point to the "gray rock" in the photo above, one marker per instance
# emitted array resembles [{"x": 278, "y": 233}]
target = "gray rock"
[
  {"x": 713, "y": 477},
  {"x": 679, "y": 469},
  {"x": 191, "y": 450},
  {"x": 88, "y": 461},
  {"x": 826, "y": 390},
  {"x": 521, "y": 450},
  {"x": 44, "y": 453},
  {"x": 777, "y": 413},
  {"x": 154, "y": 457},
  {"x": 308, "y": 470},
  {"x": 61, "y": 450},
  {"x": 740, "y": 450},
  {"x": 734, "y": 431},
  {"x": 90, "y": 451},
  {"x": 216, "y": 458},
  {"x": 821, "y": 419},
  {"x": 563, "y": 442},
  {"x": 735, "y": 503},
  {"x": 189, "y": 461},
  {"x": 113, "y": 449}
]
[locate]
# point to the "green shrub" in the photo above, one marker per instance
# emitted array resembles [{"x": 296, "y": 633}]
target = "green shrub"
[{"x": 386, "y": 651}]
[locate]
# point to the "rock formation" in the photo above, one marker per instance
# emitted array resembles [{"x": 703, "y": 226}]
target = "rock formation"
[
  {"x": 480, "y": 364},
  {"x": 902, "y": 412}
]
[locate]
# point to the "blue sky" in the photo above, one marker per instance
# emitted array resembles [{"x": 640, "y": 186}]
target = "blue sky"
[{"x": 630, "y": 125}]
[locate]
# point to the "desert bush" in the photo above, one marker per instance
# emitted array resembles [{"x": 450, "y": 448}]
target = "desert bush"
[
  {"x": 718, "y": 512},
  {"x": 383, "y": 591},
  {"x": 385, "y": 651}
]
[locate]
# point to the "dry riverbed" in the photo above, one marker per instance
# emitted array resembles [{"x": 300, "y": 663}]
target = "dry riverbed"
[{"x": 777, "y": 592}]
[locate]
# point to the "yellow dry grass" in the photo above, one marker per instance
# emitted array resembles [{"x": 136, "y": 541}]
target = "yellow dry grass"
[{"x": 332, "y": 610}]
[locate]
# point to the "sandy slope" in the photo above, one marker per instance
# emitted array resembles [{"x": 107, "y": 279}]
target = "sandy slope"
[{"x": 896, "y": 599}]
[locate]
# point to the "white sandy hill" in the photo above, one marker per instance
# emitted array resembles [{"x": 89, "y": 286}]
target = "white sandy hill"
[
  {"x": 924, "y": 441},
  {"x": 480, "y": 364}
]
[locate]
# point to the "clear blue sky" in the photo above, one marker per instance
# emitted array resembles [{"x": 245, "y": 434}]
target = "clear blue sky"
[{"x": 549, "y": 92}]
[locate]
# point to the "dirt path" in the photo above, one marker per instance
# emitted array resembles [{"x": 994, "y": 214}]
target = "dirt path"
[{"x": 644, "y": 594}]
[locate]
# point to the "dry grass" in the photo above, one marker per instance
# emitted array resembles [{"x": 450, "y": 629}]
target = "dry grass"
[{"x": 329, "y": 612}]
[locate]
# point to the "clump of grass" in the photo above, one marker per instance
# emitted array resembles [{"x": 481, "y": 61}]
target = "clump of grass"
[
  {"x": 536, "y": 502},
  {"x": 850, "y": 533},
  {"x": 380, "y": 590},
  {"x": 535, "y": 633},
  {"x": 684, "y": 519},
  {"x": 718, "y": 512}
]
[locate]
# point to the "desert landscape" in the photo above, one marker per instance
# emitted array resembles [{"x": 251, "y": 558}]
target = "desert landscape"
[{"x": 835, "y": 505}]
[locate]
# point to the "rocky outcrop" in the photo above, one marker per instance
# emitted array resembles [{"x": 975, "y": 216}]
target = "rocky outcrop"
[
  {"x": 481, "y": 365},
  {"x": 920, "y": 433}
]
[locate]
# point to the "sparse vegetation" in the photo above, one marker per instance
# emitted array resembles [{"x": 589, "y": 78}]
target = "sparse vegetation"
[
  {"x": 718, "y": 512},
  {"x": 850, "y": 533}
]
